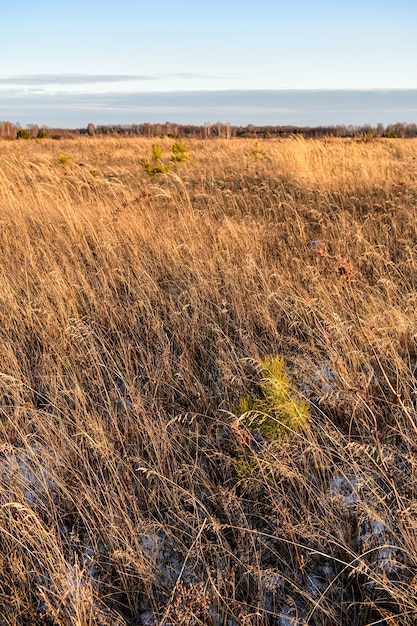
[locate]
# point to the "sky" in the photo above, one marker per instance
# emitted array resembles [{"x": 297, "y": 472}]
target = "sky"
[{"x": 301, "y": 62}]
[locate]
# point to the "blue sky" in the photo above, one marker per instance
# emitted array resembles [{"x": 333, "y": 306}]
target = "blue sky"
[{"x": 132, "y": 62}]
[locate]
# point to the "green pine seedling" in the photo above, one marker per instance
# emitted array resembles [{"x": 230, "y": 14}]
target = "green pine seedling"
[
  {"x": 278, "y": 411},
  {"x": 179, "y": 152},
  {"x": 257, "y": 152},
  {"x": 63, "y": 158},
  {"x": 155, "y": 165}
]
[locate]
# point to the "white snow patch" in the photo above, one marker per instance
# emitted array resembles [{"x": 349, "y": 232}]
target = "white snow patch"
[
  {"x": 347, "y": 489},
  {"x": 22, "y": 470}
]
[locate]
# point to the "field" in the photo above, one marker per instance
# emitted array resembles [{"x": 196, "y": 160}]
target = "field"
[{"x": 208, "y": 383}]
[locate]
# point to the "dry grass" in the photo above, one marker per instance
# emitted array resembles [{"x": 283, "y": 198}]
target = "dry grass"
[{"x": 134, "y": 313}]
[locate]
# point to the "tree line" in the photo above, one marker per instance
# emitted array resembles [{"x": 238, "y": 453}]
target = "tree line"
[{"x": 9, "y": 130}]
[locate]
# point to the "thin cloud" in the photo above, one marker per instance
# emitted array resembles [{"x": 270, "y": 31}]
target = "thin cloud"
[
  {"x": 72, "y": 79},
  {"x": 38, "y": 80},
  {"x": 187, "y": 76}
]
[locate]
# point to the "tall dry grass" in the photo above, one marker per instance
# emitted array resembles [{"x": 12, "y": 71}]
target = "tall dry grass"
[{"x": 134, "y": 312}]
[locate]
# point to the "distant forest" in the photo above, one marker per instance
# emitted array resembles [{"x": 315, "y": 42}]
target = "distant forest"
[{"x": 9, "y": 130}]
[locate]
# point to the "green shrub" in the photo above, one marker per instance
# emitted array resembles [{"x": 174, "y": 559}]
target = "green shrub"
[
  {"x": 155, "y": 165},
  {"x": 23, "y": 133},
  {"x": 277, "y": 411},
  {"x": 179, "y": 152},
  {"x": 257, "y": 152},
  {"x": 63, "y": 158},
  {"x": 42, "y": 134}
]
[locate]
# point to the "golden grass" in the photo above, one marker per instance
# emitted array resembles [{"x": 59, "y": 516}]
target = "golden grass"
[{"x": 134, "y": 312}]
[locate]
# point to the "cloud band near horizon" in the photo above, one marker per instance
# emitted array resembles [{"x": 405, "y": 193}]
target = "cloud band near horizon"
[
  {"x": 45, "y": 80},
  {"x": 241, "y": 107}
]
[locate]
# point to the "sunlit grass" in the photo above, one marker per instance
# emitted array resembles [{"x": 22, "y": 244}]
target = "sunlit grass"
[{"x": 135, "y": 312}]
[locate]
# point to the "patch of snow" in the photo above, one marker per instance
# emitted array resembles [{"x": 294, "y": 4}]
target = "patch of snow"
[
  {"x": 326, "y": 376},
  {"x": 147, "y": 618},
  {"x": 315, "y": 584},
  {"x": 170, "y": 565},
  {"x": 347, "y": 489},
  {"x": 287, "y": 617},
  {"x": 328, "y": 570},
  {"x": 22, "y": 470},
  {"x": 376, "y": 536}
]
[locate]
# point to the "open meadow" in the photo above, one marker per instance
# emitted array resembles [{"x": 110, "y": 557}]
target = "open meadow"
[{"x": 208, "y": 382}]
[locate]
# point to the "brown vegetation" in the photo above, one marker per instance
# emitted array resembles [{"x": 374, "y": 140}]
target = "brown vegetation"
[
  {"x": 219, "y": 130},
  {"x": 135, "y": 311}
]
